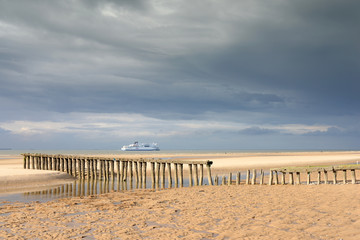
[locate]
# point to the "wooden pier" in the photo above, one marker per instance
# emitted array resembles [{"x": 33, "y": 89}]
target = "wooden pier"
[{"x": 124, "y": 170}]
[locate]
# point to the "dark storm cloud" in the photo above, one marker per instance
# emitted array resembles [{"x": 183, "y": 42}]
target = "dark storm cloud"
[{"x": 253, "y": 62}]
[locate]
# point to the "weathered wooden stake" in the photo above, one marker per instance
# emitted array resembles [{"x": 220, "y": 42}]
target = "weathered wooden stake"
[
  {"x": 262, "y": 177},
  {"x": 176, "y": 175},
  {"x": 158, "y": 166},
  {"x": 216, "y": 180},
  {"x": 181, "y": 174},
  {"x": 169, "y": 175},
  {"x": 230, "y": 178},
  {"x": 136, "y": 174},
  {"x": 223, "y": 182},
  {"x": 112, "y": 167},
  {"x": 201, "y": 174},
  {"x": 153, "y": 178},
  {"x": 83, "y": 170},
  {"x": 238, "y": 178},
  {"x": 353, "y": 177},
  {"x": 163, "y": 165},
  {"x": 190, "y": 176},
  {"x": 344, "y": 177},
  {"x": 208, "y": 166},
  {"x": 253, "y": 179},
  {"x": 283, "y": 178},
  {"x": 308, "y": 178},
  {"x": 131, "y": 174},
  {"x": 196, "y": 175},
  {"x": 325, "y": 177},
  {"x": 291, "y": 178},
  {"x": 144, "y": 167},
  {"x": 270, "y": 177},
  {"x": 141, "y": 174},
  {"x": 88, "y": 168},
  {"x": 298, "y": 178},
  {"x": 247, "y": 182},
  {"x": 335, "y": 181},
  {"x": 319, "y": 178}
]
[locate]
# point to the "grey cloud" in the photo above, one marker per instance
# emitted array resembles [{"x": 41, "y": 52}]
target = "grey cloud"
[
  {"x": 258, "y": 131},
  {"x": 253, "y": 61}
]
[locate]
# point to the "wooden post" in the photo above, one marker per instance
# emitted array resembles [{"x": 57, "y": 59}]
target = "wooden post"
[
  {"x": 144, "y": 181},
  {"x": 238, "y": 178},
  {"x": 319, "y": 178},
  {"x": 344, "y": 177},
  {"x": 190, "y": 176},
  {"x": 276, "y": 178},
  {"x": 136, "y": 174},
  {"x": 325, "y": 177},
  {"x": 126, "y": 171},
  {"x": 176, "y": 175},
  {"x": 223, "y": 182},
  {"x": 196, "y": 175},
  {"x": 83, "y": 166},
  {"x": 253, "y": 179},
  {"x": 270, "y": 177},
  {"x": 71, "y": 159},
  {"x": 163, "y": 165},
  {"x": 118, "y": 169},
  {"x": 158, "y": 165},
  {"x": 153, "y": 179},
  {"x": 25, "y": 161},
  {"x": 88, "y": 168},
  {"x": 96, "y": 169},
  {"x": 216, "y": 180},
  {"x": 80, "y": 167},
  {"x": 247, "y": 182},
  {"x": 141, "y": 174},
  {"x": 181, "y": 175},
  {"x": 122, "y": 171},
  {"x": 298, "y": 178},
  {"x": 230, "y": 178},
  {"x": 283, "y": 178},
  {"x": 353, "y": 177},
  {"x": 308, "y": 178},
  {"x": 262, "y": 177},
  {"x": 32, "y": 162},
  {"x": 101, "y": 170},
  {"x": 201, "y": 174},
  {"x": 131, "y": 174},
  {"x": 62, "y": 167},
  {"x": 335, "y": 181},
  {"x": 169, "y": 175},
  {"x": 208, "y": 166},
  {"x": 112, "y": 166},
  {"x": 291, "y": 178}
]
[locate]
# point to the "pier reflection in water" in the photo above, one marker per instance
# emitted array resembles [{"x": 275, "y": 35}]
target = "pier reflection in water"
[{"x": 87, "y": 187}]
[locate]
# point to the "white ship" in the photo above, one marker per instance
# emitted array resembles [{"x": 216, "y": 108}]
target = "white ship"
[{"x": 141, "y": 147}]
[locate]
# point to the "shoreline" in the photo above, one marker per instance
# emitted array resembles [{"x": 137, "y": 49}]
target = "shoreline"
[{"x": 14, "y": 178}]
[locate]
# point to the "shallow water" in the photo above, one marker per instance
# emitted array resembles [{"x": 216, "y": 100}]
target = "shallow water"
[{"x": 81, "y": 188}]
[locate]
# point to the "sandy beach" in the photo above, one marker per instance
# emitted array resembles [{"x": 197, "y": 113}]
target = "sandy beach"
[{"x": 205, "y": 212}]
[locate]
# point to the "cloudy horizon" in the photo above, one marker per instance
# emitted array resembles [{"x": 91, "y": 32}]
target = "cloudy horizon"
[{"x": 251, "y": 74}]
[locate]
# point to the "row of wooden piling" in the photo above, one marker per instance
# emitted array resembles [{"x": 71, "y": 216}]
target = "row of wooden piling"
[
  {"x": 277, "y": 176},
  {"x": 89, "y": 167}
]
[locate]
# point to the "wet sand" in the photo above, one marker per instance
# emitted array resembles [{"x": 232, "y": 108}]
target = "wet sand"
[{"x": 206, "y": 212}]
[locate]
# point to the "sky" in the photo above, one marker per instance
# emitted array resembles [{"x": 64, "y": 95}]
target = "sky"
[{"x": 242, "y": 75}]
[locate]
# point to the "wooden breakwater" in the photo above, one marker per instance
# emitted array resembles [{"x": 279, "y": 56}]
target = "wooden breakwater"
[
  {"x": 123, "y": 169},
  {"x": 296, "y": 175}
]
